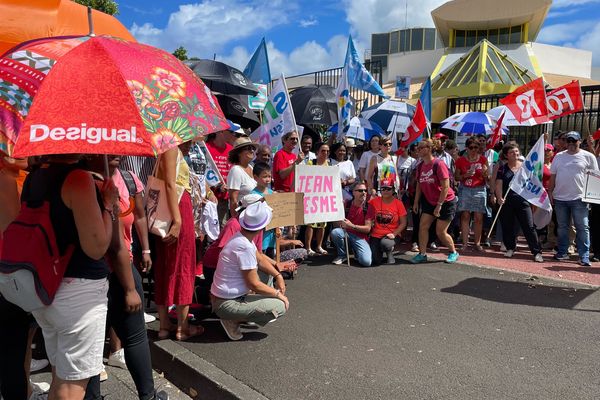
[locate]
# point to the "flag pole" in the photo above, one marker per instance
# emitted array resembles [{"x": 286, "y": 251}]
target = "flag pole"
[
  {"x": 347, "y": 250},
  {"x": 497, "y": 214}
]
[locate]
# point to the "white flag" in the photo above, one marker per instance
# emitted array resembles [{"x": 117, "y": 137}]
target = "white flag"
[
  {"x": 213, "y": 176},
  {"x": 278, "y": 117},
  {"x": 344, "y": 105},
  {"x": 527, "y": 183}
]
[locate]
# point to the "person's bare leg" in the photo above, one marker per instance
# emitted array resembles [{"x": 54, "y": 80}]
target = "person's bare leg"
[
  {"x": 184, "y": 329},
  {"x": 308, "y": 237},
  {"x": 465, "y": 219},
  {"x": 478, "y": 227},
  {"x": 166, "y": 327},
  {"x": 319, "y": 237},
  {"x": 425, "y": 223},
  {"x": 67, "y": 390},
  {"x": 441, "y": 228},
  {"x": 115, "y": 342}
]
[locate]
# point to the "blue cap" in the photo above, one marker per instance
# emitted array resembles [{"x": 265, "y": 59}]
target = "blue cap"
[
  {"x": 233, "y": 127},
  {"x": 573, "y": 135}
]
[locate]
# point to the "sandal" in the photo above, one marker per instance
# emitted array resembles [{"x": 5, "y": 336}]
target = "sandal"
[
  {"x": 192, "y": 330},
  {"x": 322, "y": 251},
  {"x": 166, "y": 333}
]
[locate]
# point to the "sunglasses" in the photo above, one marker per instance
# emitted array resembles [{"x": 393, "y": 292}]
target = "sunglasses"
[
  {"x": 387, "y": 144},
  {"x": 386, "y": 188},
  {"x": 361, "y": 190},
  {"x": 571, "y": 140},
  {"x": 473, "y": 147},
  {"x": 293, "y": 139}
]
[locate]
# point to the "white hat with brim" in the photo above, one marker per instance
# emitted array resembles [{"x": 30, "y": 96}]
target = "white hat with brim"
[
  {"x": 248, "y": 199},
  {"x": 256, "y": 217}
]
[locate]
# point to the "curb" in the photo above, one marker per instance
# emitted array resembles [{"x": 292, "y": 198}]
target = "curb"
[{"x": 195, "y": 376}]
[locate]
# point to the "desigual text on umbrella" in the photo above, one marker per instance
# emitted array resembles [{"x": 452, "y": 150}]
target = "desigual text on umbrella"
[{"x": 93, "y": 135}]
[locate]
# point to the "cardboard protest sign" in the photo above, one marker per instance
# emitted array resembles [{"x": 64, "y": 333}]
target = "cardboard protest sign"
[
  {"x": 322, "y": 189},
  {"x": 288, "y": 209},
  {"x": 592, "y": 187}
]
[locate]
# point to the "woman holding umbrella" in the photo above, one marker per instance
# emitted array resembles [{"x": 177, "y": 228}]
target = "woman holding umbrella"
[{"x": 174, "y": 270}]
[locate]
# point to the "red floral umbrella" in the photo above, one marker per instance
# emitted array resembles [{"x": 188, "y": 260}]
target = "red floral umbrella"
[{"x": 100, "y": 95}]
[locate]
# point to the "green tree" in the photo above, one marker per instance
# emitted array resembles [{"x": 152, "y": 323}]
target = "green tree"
[
  {"x": 109, "y": 7},
  {"x": 181, "y": 53}
]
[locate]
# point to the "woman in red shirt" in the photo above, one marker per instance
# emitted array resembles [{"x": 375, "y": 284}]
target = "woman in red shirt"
[
  {"x": 472, "y": 172},
  {"x": 389, "y": 216},
  {"x": 435, "y": 199}
]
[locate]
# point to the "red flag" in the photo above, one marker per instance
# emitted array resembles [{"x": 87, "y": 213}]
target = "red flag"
[
  {"x": 596, "y": 135},
  {"x": 528, "y": 101},
  {"x": 416, "y": 126},
  {"x": 564, "y": 100},
  {"x": 497, "y": 134}
]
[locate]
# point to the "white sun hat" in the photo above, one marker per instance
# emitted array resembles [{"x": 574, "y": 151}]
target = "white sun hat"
[{"x": 256, "y": 216}]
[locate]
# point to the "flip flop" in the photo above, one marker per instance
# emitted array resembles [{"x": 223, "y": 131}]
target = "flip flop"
[{"x": 192, "y": 330}]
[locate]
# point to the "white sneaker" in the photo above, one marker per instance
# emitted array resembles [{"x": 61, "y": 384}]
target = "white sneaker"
[
  {"x": 433, "y": 246},
  {"x": 39, "y": 387},
  {"x": 37, "y": 365},
  {"x": 509, "y": 253},
  {"x": 232, "y": 329},
  {"x": 117, "y": 359},
  {"x": 149, "y": 318},
  {"x": 538, "y": 258},
  {"x": 339, "y": 260},
  {"x": 415, "y": 247}
]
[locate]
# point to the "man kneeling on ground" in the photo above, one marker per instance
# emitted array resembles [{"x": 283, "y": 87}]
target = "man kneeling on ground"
[{"x": 236, "y": 275}]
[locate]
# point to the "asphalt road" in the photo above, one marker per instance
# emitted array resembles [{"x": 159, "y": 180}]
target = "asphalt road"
[{"x": 431, "y": 331}]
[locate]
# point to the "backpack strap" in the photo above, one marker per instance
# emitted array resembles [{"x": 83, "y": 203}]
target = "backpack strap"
[{"x": 129, "y": 182}]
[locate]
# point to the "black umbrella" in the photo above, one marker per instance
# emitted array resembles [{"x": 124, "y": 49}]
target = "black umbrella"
[
  {"x": 314, "y": 105},
  {"x": 235, "y": 107},
  {"x": 222, "y": 78}
]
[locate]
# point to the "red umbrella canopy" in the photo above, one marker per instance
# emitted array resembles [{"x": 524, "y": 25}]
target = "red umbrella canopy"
[{"x": 100, "y": 95}]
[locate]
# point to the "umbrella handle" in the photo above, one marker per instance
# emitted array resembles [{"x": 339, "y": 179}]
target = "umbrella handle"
[{"x": 90, "y": 22}]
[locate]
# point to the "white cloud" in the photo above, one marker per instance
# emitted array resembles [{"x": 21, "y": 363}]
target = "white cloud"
[
  {"x": 206, "y": 27},
  {"x": 590, "y": 40},
  {"x": 564, "y": 32},
  {"x": 371, "y": 16},
  {"x": 305, "y": 23},
  {"x": 571, "y": 3}
]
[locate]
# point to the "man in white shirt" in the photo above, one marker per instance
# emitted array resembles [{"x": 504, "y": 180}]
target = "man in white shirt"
[
  {"x": 306, "y": 144},
  {"x": 236, "y": 275},
  {"x": 566, "y": 189}
]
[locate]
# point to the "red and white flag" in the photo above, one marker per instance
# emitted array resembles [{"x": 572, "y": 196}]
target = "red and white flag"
[
  {"x": 564, "y": 100},
  {"x": 416, "y": 126},
  {"x": 497, "y": 133},
  {"x": 528, "y": 101}
]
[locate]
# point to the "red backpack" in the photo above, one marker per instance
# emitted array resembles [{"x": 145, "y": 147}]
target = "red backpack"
[{"x": 31, "y": 266}]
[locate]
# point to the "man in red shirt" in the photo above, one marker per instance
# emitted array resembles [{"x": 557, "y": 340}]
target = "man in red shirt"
[
  {"x": 284, "y": 162},
  {"x": 219, "y": 145}
]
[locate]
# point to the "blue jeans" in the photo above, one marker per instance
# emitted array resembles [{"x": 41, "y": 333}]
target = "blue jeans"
[
  {"x": 361, "y": 248},
  {"x": 578, "y": 210}
]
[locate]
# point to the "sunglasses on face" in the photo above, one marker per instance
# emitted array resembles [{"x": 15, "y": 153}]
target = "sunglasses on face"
[
  {"x": 473, "y": 147},
  {"x": 293, "y": 139},
  {"x": 386, "y": 189},
  {"x": 361, "y": 190},
  {"x": 387, "y": 144},
  {"x": 570, "y": 140}
]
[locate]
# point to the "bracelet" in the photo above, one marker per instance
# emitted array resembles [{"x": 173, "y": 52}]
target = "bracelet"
[
  {"x": 111, "y": 213},
  {"x": 275, "y": 277},
  {"x": 146, "y": 251}
]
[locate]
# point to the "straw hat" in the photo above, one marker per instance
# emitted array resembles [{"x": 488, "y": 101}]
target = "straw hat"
[
  {"x": 242, "y": 142},
  {"x": 256, "y": 216}
]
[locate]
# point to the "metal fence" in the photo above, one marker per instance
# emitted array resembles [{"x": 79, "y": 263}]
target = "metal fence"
[
  {"x": 587, "y": 121},
  {"x": 331, "y": 77}
]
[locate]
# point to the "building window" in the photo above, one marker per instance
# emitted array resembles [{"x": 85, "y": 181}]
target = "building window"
[
  {"x": 482, "y": 34},
  {"x": 471, "y": 38},
  {"x": 394, "y": 39},
  {"x": 504, "y": 36},
  {"x": 515, "y": 34},
  {"x": 416, "y": 39},
  {"x": 380, "y": 43},
  {"x": 383, "y": 60},
  {"x": 493, "y": 36},
  {"x": 459, "y": 39},
  {"x": 429, "y": 43},
  {"x": 404, "y": 40}
]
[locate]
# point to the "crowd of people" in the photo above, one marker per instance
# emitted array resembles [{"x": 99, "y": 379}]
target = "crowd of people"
[{"x": 218, "y": 252}]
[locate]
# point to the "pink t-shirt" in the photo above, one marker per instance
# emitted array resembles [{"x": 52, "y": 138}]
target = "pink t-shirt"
[
  {"x": 124, "y": 206},
  {"x": 430, "y": 181},
  {"x": 211, "y": 256}
]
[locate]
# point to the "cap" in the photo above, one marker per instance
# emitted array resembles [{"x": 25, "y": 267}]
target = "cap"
[
  {"x": 235, "y": 128},
  {"x": 440, "y": 136},
  {"x": 573, "y": 135},
  {"x": 256, "y": 216},
  {"x": 548, "y": 146},
  {"x": 349, "y": 142}
]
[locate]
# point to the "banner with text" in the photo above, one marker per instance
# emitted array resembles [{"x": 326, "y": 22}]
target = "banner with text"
[
  {"x": 278, "y": 117},
  {"x": 528, "y": 101},
  {"x": 564, "y": 100},
  {"x": 322, "y": 190}
]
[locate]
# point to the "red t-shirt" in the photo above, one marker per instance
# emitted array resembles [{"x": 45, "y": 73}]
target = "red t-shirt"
[
  {"x": 211, "y": 256},
  {"x": 464, "y": 165},
  {"x": 282, "y": 160},
  {"x": 386, "y": 217},
  {"x": 219, "y": 155},
  {"x": 546, "y": 177},
  {"x": 357, "y": 216},
  {"x": 430, "y": 182}
]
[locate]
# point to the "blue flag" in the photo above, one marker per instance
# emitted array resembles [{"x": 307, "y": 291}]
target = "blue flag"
[
  {"x": 426, "y": 98},
  {"x": 258, "y": 69},
  {"x": 358, "y": 76}
]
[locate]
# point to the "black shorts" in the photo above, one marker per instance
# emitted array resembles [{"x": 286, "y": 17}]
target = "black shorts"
[{"x": 446, "y": 213}]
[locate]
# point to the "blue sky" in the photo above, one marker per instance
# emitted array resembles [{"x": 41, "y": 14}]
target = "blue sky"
[{"x": 310, "y": 35}]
